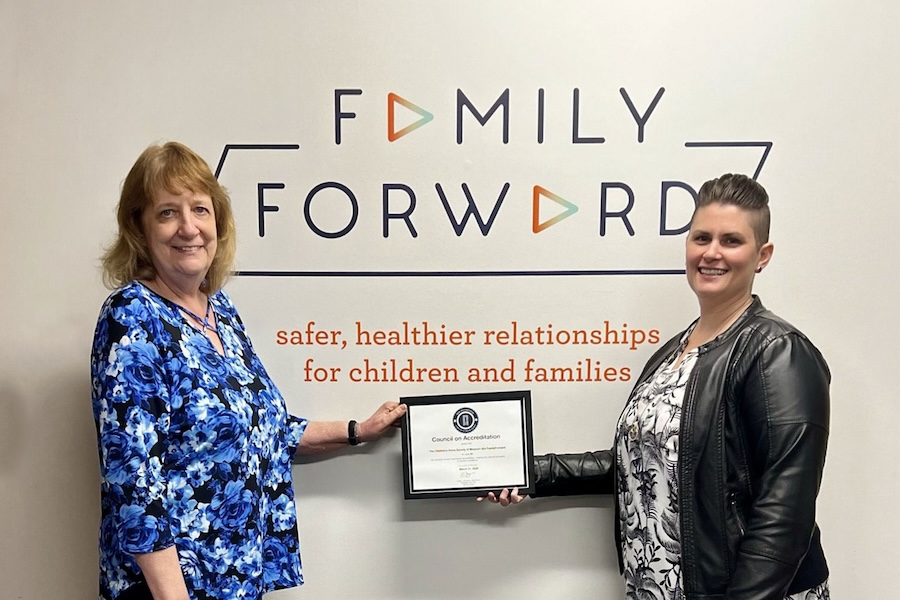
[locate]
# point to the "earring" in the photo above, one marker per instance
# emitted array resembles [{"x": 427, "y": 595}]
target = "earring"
[{"x": 759, "y": 269}]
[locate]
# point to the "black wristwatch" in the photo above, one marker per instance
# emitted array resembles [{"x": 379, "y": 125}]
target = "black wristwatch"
[{"x": 353, "y": 432}]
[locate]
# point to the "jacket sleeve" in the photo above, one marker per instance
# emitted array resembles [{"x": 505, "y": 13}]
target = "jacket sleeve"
[
  {"x": 787, "y": 413},
  {"x": 573, "y": 474}
]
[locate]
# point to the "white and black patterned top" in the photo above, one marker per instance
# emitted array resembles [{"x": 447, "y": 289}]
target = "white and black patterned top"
[{"x": 647, "y": 480}]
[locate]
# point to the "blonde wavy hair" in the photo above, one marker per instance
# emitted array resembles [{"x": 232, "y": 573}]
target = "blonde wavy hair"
[{"x": 175, "y": 168}]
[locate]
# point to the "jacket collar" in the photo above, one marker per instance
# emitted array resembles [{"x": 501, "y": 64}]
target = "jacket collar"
[{"x": 754, "y": 309}]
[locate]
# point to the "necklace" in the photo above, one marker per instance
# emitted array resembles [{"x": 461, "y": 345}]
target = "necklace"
[
  {"x": 729, "y": 320},
  {"x": 204, "y": 321},
  {"x": 693, "y": 343}
]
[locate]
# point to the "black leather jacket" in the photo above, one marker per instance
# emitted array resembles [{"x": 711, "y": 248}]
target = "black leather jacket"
[{"x": 754, "y": 429}]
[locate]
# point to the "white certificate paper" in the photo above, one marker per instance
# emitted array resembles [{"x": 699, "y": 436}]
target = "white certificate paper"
[{"x": 467, "y": 444}]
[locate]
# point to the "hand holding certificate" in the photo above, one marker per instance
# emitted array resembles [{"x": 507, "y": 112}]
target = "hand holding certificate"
[{"x": 467, "y": 444}]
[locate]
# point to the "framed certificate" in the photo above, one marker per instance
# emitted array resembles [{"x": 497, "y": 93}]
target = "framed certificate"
[{"x": 467, "y": 444}]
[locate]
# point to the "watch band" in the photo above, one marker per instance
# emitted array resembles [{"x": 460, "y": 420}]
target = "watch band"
[{"x": 353, "y": 432}]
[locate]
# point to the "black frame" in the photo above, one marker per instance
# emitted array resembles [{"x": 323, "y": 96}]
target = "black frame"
[{"x": 525, "y": 487}]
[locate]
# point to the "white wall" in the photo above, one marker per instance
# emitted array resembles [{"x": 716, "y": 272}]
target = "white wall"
[{"x": 84, "y": 87}]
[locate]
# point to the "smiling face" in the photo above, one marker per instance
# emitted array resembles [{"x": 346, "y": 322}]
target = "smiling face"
[
  {"x": 180, "y": 231},
  {"x": 722, "y": 254}
]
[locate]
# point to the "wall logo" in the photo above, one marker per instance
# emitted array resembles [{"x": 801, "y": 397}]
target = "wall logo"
[
  {"x": 537, "y": 225},
  {"x": 465, "y": 420},
  {"x": 395, "y": 99},
  {"x": 422, "y": 205}
]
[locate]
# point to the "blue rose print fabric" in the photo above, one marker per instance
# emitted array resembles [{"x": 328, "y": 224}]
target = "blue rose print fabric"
[{"x": 195, "y": 451}]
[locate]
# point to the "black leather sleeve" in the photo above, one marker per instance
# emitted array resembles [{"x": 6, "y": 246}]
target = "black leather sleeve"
[
  {"x": 790, "y": 385},
  {"x": 573, "y": 474}
]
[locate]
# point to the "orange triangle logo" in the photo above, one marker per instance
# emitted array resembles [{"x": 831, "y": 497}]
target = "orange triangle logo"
[
  {"x": 536, "y": 225},
  {"x": 393, "y": 101}
]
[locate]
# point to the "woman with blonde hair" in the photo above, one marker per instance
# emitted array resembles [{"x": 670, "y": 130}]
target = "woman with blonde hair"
[{"x": 195, "y": 439}]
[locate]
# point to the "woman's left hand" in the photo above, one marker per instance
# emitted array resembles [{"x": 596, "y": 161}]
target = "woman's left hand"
[
  {"x": 386, "y": 416},
  {"x": 505, "y": 498}
]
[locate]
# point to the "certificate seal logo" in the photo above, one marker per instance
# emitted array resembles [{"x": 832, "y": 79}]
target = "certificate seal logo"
[{"x": 465, "y": 420}]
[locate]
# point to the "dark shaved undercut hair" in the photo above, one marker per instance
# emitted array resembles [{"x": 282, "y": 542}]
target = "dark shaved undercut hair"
[{"x": 743, "y": 192}]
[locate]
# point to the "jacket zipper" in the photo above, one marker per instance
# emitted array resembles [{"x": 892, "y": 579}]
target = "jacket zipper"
[{"x": 737, "y": 514}]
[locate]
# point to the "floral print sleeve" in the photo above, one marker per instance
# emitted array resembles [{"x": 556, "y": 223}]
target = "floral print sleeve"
[
  {"x": 295, "y": 429},
  {"x": 195, "y": 451},
  {"x": 295, "y": 425},
  {"x": 131, "y": 410}
]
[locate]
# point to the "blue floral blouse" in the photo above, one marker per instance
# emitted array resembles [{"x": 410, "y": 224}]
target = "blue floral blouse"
[{"x": 195, "y": 451}]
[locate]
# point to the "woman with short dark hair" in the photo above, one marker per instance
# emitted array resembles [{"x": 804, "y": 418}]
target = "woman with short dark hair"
[{"x": 719, "y": 451}]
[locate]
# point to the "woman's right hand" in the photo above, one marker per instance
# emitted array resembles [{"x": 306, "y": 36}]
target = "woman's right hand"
[{"x": 505, "y": 498}]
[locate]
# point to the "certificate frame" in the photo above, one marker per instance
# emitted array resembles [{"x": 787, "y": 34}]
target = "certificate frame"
[{"x": 474, "y": 452}]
